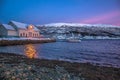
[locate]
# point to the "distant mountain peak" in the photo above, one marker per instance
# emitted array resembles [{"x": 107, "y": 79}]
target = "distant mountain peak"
[{"x": 77, "y": 25}]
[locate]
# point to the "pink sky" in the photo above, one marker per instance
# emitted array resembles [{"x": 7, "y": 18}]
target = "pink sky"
[{"x": 104, "y": 18}]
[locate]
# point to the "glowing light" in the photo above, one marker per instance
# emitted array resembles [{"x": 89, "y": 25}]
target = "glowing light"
[
  {"x": 30, "y": 51},
  {"x": 30, "y": 27}
]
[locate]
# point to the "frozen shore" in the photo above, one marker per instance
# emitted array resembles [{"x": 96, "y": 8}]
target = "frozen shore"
[
  {"x": 21, "y": 41},
  {"x": 17, "y": 67}
]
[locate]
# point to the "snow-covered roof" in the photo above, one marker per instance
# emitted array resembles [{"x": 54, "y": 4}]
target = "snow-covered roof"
[
  {"x": 19, "y": 25},
  {"x": 36, "y": 28},
  {"x": 8, "y": 27},
  {"x": 22, "y": 25}
]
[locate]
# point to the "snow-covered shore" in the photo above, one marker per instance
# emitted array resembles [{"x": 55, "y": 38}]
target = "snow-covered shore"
[
  {"x": 22, "y": 41},
  {"x": 25, "y": 38}
]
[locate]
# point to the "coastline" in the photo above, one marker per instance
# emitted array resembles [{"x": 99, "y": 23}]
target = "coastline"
[
  {"x": 82, "y": 71},
  {"x": 18, "y": 41}
]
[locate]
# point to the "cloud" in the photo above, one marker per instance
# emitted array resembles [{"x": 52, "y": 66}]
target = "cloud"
[
  {"x": 117, "y": 23},
  {"x": 103, "y": 18}
]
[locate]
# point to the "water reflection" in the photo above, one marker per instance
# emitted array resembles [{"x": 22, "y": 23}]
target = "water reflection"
[{"x": 30, "y": 51}]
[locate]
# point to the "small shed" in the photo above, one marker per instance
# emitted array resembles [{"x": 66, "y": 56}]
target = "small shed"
[{"x": 7, "y": 31}]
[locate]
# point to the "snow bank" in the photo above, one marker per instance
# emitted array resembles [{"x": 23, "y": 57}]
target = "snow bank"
[{"x": 25, "y": 38}]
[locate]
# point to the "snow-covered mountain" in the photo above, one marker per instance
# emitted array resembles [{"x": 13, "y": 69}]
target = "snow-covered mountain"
[
  {"x": 76, "y": 25},
  {"x": 83, "y": 30}
]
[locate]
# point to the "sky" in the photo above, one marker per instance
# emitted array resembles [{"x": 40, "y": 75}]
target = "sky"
[{"x": 54, "y": 11}]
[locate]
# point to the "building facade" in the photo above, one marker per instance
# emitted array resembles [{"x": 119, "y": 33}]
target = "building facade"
[{"x": 18, "y": 29}]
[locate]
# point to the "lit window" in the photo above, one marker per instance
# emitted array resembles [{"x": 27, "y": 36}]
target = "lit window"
[{"x": 30, "y": 27}]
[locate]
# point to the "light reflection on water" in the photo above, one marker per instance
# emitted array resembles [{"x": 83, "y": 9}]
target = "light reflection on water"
[{"x": 30, "y": 51}]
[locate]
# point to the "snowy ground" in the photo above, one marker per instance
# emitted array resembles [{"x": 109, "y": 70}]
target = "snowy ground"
[{"x": 24, "y": 38}]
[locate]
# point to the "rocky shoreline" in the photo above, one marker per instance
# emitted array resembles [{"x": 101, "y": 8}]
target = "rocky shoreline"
[{"x": 19, "y": 67}]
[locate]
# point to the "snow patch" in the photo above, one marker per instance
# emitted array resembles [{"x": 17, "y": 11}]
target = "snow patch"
[{"x": 8, "y": 27}]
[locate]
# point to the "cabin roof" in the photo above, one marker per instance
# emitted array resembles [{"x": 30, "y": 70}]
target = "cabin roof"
[
  {"x": 20, "y": 25},
  {"x": 8, "y": 27}
]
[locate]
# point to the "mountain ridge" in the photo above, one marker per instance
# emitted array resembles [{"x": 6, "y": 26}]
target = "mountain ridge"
[
  {"x": 84, "y": 30},
  {"x": 77, "y": 25}
]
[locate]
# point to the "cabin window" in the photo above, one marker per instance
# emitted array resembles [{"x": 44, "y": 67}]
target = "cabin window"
[
  {"x": 33, "y": 35},
  {"x": 30, "y": 34},
  {"x": 36, "y": 35},
  {"x": 26, "y": 35},
  {"x": 21, "y": 34}
]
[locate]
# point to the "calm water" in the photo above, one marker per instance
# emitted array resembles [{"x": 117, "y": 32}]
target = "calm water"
[{"x": 104, "y": 52}]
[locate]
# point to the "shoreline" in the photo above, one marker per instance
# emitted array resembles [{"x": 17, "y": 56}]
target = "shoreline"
[
  {"x": 85, "y": 70},
  {"x": 17, "y": 41},
  {"x": 23, "y": 41}
]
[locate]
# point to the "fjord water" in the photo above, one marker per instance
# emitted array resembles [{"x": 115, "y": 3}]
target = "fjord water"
[{"x": 103, "y": 52}]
